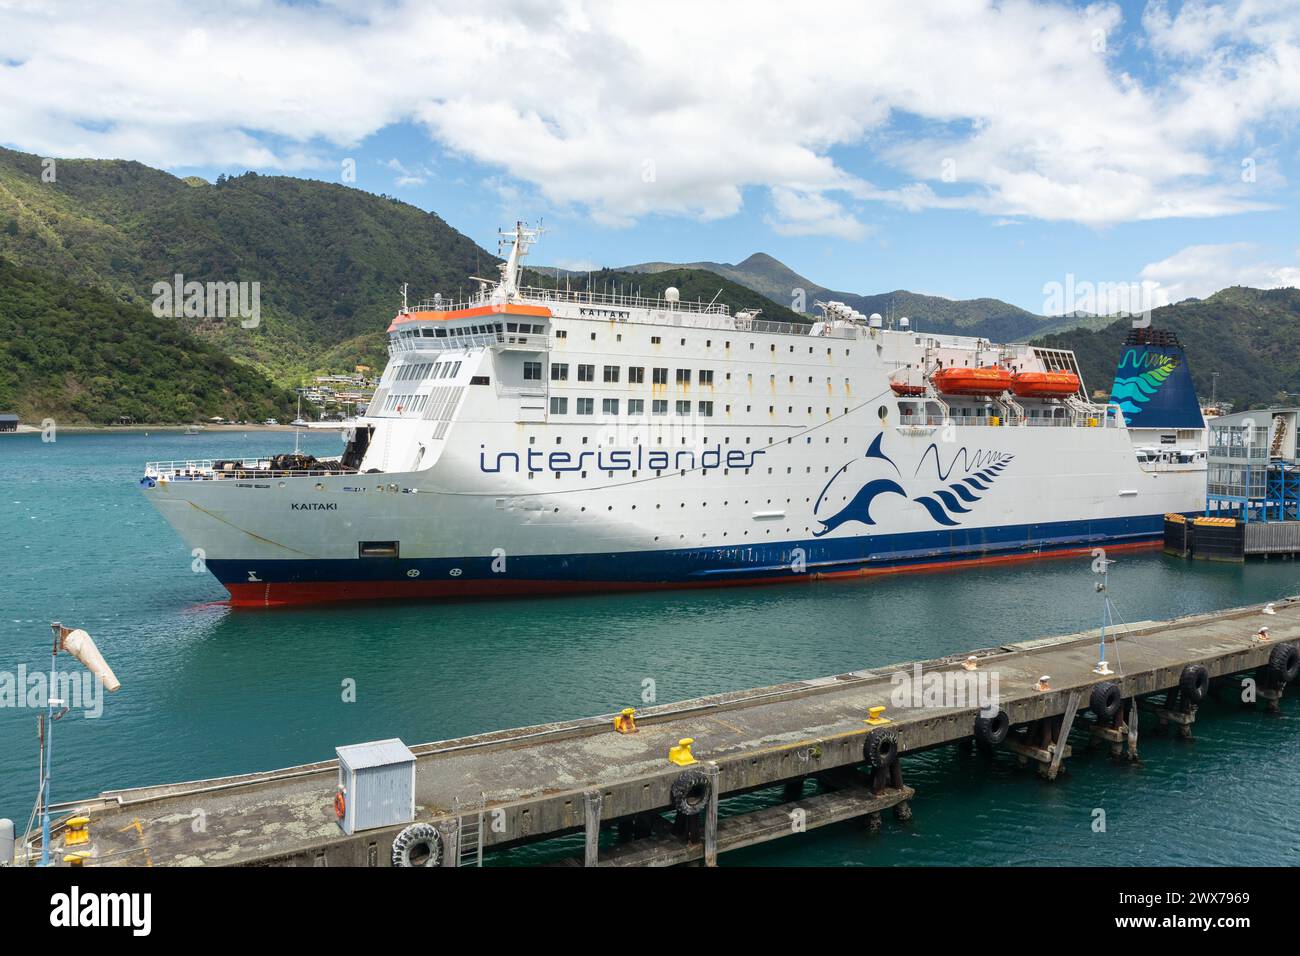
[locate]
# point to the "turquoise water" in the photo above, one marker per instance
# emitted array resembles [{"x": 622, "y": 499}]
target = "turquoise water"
[{"x": 209, "y": 691}]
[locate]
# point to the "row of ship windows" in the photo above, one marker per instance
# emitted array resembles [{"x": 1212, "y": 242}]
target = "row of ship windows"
[
  {"x": 612, "y": 374},
  {"x": 427, "y": 370},
  {"x": 443, "y": 332},
  {"x": 658, "y": 406},
  {"x": 635, "y": 406},
  {"x": 708, "y": 343},
  {"x": 525, "y": 328}
]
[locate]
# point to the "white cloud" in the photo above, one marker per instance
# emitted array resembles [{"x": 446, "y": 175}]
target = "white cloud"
[
  {"x": 806, "y": 213},
  {"x": 623, "y": 110},
  {"x": 407, "y": 176},
  {"x": 1199, "y": 271}
]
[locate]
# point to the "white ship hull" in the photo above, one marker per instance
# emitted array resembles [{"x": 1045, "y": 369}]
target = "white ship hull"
[{"x": 793, "y": 460}]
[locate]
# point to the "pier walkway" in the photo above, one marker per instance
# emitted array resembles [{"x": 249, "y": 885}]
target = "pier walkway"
[{"x": 493, "y": 790}]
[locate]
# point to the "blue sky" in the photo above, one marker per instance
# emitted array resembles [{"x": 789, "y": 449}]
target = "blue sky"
[{"x": 962, "y": 148}]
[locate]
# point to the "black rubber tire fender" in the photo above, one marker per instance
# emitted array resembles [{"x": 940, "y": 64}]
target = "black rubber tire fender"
[
  {"x": 1194, "y": 683},
  {"x": 1284, "y": 663},
  {"x": 880, "y": 749},
  {"x": 1106, "y": 700},
  {"x": 690, "y": 792},
  {"x": 992, "y": 730},
  {"x": 418, "y": 841}
]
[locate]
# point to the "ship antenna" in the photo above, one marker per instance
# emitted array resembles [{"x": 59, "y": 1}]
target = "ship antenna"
[
  {"x": 520, "y": 238},
  {"x": 404, "y": 285}
]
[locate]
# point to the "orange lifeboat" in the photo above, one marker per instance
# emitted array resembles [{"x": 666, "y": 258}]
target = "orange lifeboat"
[
  {"x": 907, "y": 384},
  {"x": 1046, "y": 384},
  {"x": 988, "y": 380}
]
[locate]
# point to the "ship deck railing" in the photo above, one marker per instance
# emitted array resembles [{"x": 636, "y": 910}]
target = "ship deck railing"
[
  {"x": 204, "y": 469},
  {"x": 620, "y": 307},
  {"x": 1098, "y": 420},
  {"x": 622, "y": 300}
]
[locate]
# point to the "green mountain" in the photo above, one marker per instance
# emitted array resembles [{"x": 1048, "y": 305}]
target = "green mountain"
[
  {"x": 1246, "y": 335},
  {"x": 990, "y": 318},
  {"x": 75, "y": 354},
  {"x": 329, "y": 259}
]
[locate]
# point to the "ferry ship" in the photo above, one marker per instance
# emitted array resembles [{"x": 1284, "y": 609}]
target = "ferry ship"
[{"x": 540, "y": 440}]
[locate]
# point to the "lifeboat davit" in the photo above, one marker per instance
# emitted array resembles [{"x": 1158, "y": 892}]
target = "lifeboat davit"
[
  {"x": 1045, "y": 384},
  {"x": 988, "y": 380}
]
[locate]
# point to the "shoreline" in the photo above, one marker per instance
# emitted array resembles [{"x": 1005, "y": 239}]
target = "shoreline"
[{"x": 94, "y": 429}]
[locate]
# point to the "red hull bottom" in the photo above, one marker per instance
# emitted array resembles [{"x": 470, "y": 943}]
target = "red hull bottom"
[{"x": 326, "y": 592}]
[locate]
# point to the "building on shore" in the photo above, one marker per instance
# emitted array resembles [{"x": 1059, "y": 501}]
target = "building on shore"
[
  {"x": 1254, "y": 465},
  {"x": 8, "y": 422}
]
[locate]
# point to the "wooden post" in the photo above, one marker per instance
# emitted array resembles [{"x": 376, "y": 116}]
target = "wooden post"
[
  {"x": 1058, "y": 749},
  {"x": 1133, "y": 728},
  {"x": 450, "y": 843},
  {"x": 591, "y": 800},
  {"x": 711, "y": 818}
]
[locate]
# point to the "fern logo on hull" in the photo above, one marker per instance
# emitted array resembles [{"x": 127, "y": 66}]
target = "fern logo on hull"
[{"x": 953, "y": 491}]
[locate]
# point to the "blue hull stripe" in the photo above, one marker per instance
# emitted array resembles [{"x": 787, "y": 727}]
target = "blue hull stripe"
[{"x": 704, "y": 564}]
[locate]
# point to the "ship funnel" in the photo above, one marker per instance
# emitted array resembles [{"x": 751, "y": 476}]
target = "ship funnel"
[{"x": 1153, "y": 383}]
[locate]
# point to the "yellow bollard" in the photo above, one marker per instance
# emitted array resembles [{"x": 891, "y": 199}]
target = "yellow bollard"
[
  {"x": 78, "y": 832},
  {"x": 681, "y": 754},
  {"x": 625, "y": 722},
  {"x": 78, "y": 858},
  {"x": 876, "y": 716}
]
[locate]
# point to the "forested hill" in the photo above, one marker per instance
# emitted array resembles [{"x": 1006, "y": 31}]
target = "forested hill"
[
  {"x": 1251, "y": 337},
  {"x": 77, "y": 355},
  {"x": 329, "y": 259}
]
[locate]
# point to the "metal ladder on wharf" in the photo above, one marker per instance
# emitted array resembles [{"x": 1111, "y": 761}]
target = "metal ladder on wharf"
[{"x": 469, "y": 833}]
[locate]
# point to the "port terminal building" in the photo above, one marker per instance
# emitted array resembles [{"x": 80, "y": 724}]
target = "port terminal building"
[
  {"x": 1252, "y": 506},
  {"x": 1252, "y": 473}
]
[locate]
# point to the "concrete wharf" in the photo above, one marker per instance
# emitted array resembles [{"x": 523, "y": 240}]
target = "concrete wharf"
[{"x": 822, "y": 744}]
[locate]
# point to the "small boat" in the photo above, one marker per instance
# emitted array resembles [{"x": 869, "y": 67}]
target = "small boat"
[
  {"x": 986, "y": 380},
  {"x": 1045, "y": 384},
  {"x": 907, "y": 384},
  {"x": 194, "y": 430}
]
